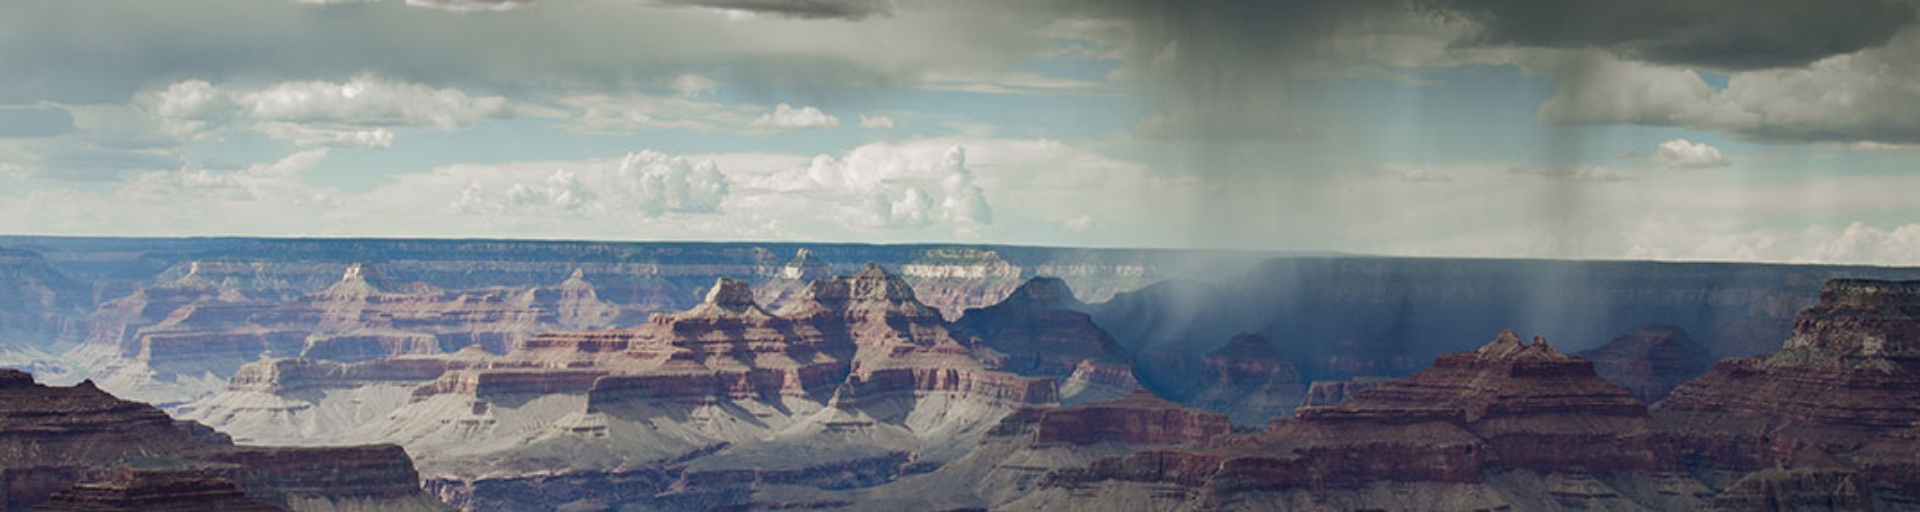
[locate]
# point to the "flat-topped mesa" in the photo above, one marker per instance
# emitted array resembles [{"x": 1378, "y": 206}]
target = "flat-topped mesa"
[
  {"x": 283, "y": 376},
  {"x": 1861, "y": 318},
  {"x": 727, "y": 297},
  {"x": 1139, "y": 418},
  {"x": 1505, "y": 378}
]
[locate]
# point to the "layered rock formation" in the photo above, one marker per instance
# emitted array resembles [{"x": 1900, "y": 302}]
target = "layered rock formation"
[
  {"x": 1842, "y": 395},
  {"x": 1250, "y": 381},
  {"x": 39, "y": 308},
  {"x": 852, "y": 384},
  {"x": 1137, "y": 419},
  {"x": 1509, "y": 425},
  {"x": 1342, "y": 317},
  {"x": 177, "y": 340},
  {"x": 1329, "y": 392},
  {"x": 1651, "y": 362},
  {"x": 1040, "y": 330},
  {"x": 52, "y": 438},
  {"x": 155, "y": 491}
]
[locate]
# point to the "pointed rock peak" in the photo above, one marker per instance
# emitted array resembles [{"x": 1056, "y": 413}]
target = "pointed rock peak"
[
  {"x": 805, "y": 266},
  {"x": 1508, "y": 346},
  {"x": 870, "y": 284},
  {"x": 1248, "y": 346},
  {"x": 357, "y": 281},
  {"x": 1046, "y": 290},
  {"x": 1507, "y": 341},
  {"x": 730, "y": 293},
  {"x": 575, "y": 281}
]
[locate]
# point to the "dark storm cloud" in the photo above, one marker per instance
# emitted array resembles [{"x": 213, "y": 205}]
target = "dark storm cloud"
[
  {"x": 1722, "y": 34},
  {"x": 471, "y": 5},
  {"x": 25, "y": 122},
  {"x": 104, "y": 51},
  {"x": 1230, "y": 69},
  {"x": 810, "y": 9}
]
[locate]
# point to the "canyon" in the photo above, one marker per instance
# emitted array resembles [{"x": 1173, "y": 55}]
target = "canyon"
[{"x": 578, "y": 375}]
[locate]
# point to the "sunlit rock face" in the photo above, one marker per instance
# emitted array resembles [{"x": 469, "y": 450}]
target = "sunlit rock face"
[
  {"x": 215, "y": 305},
  {"x": 854, "y": 382},
  {"x": 1842, "y": 395},
  {"x": 52, "y": 438}
]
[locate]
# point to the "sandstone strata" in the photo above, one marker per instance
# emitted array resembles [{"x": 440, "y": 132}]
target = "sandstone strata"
[
  {"x": 1651, "y": 362},
  {"x": 1511, "y": 424},
  {"x": 853, "y": 383},
  {"x": 52, "y": 438},
  {"x": 1040, "y": 330},
  {"x": 1843, "y": 393},
  {"x": 1250, "y": 381}
]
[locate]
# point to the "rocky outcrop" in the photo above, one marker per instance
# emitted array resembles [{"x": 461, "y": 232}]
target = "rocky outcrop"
[
  {"x": 52, "y": 438},
  {"x": 155, "y": 491},
  {"x": 1329, "y": 392},
  {"x": 1651, "y": 362},
  {"x": 1842, "y": 392},
  {"x": 1137, "y": 419}
]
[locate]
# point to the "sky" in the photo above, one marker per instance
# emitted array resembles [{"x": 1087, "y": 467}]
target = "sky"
[{"x": 1725, "y": 130}]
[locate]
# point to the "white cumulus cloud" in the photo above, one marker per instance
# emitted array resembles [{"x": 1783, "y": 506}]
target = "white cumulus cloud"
[
  {"x": 359, "y": 112},
  {"x": 1685, "y": 154},
  {"x": 786, "y": 117},
  {"x": 648, "y": 184},
  {"x": 903, "y": 187},
  {"x": 876, "y": 122}
]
